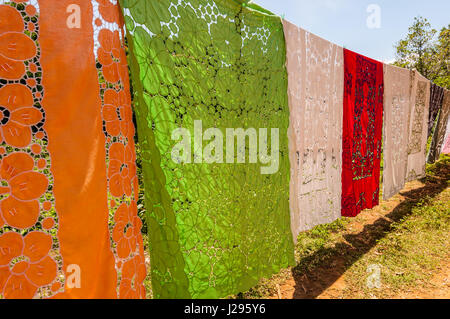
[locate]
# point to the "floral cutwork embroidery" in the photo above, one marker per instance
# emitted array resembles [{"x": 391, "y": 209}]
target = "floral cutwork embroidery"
[
  {"x": 124, "y": 224},
  {"x": 365, "y": 100},
  {"x": 363, "y": 113},
  {"x": 30, "y": 260},
  {"x": 415, "y": 141}
]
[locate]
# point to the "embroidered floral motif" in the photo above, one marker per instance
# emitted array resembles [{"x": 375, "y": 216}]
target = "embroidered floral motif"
[
  {"x": 25, "y": 264},
  {"x": 364, "y": 143},
  {"x": 396, "y": 136},
  {"x": 17, "y": 114},
  {"x": 30, "y": 261},
  {"x": 361, "y": 148},
  {"x": 223, "y": 63},
  {"x": 125, "y": 226},
  {"x": 315, "y": 72},
  {"x": 415, "y": 141}
]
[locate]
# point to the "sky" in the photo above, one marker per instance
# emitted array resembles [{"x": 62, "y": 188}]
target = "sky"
[{"x": 344, "y": 22}]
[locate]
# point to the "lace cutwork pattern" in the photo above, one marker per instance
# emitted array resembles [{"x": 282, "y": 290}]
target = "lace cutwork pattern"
[
  {"x": 124, "y": 223},
  {"x": 415, "y": 141},
  {"x": 30, "y": 260},
  {"x": 418, "y": 126},
  {"x": 315, "y": 69},
  {"x": 366, "y": 92},
  {"x": 363, "y": 116},
  {"x": 216, "y": 229}
]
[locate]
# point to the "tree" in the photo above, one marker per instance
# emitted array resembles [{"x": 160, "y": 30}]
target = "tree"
[
  {"x": 442, "y": 60},
  {"x": 421, "y": 50},
  {"x": 415, "y": 50}
]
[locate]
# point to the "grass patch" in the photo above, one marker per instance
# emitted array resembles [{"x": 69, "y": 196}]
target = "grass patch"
[
  {"x": 408, "y": 254},
  {"x": 313, "y": 247},
  {"x": 408, "y": 243}
]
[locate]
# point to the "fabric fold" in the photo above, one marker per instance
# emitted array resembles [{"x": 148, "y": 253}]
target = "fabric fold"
[{"x": 436, "y": 99}]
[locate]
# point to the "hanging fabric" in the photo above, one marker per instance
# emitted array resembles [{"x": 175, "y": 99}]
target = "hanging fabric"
[
  {"x": 418, "y": 126},
  {"x": 446, "y": 145},
  {"x": 396, "y": 115},
  {"x": 315, "y": 72},
  {"x": 436, "y": 98},
  {"x": 201, "y": 70},
  {"x": 362, "y": 128},
  {"x": 65, "y": 232},
  {"x": 438, "y": 141}
]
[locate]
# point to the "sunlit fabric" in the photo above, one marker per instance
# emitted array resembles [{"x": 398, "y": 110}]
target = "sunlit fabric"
[
  {"x": 439, "y": 142},
  {"x": 63, "y": 214},
  {"x": 362, "y": 130},
  {"x": 316, "y": 72},
  {"x": 418, "y": 126},
  {"x": 436, "y": 98},
  {"x": 446, "y": 145},
  {"x": 217, "y": 225},
  {"x": 397, "y": 86}
]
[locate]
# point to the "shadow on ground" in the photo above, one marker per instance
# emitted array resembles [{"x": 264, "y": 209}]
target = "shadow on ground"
[{"x": 339, "y": 258}]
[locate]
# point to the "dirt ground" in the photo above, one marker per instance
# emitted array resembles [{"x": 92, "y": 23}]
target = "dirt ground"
[{"x": 329, "y": 280}]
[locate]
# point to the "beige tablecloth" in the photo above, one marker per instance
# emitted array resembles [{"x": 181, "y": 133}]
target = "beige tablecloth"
[
  {"x": 315, "y": 73},
  {"x": 397, "y": 85}
]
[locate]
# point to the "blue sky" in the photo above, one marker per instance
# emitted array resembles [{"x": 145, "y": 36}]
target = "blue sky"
[{"x": 344, "y": 21}]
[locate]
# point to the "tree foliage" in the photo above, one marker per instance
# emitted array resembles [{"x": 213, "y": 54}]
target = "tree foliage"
[{"x": 422, "y": 50}]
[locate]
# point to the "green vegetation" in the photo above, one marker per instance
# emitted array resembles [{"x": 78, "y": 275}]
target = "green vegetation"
[
  {"x": 408, "y": 242},
  {"x": 422, "y": 50},
  {"x": 409, "y": 254}
]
